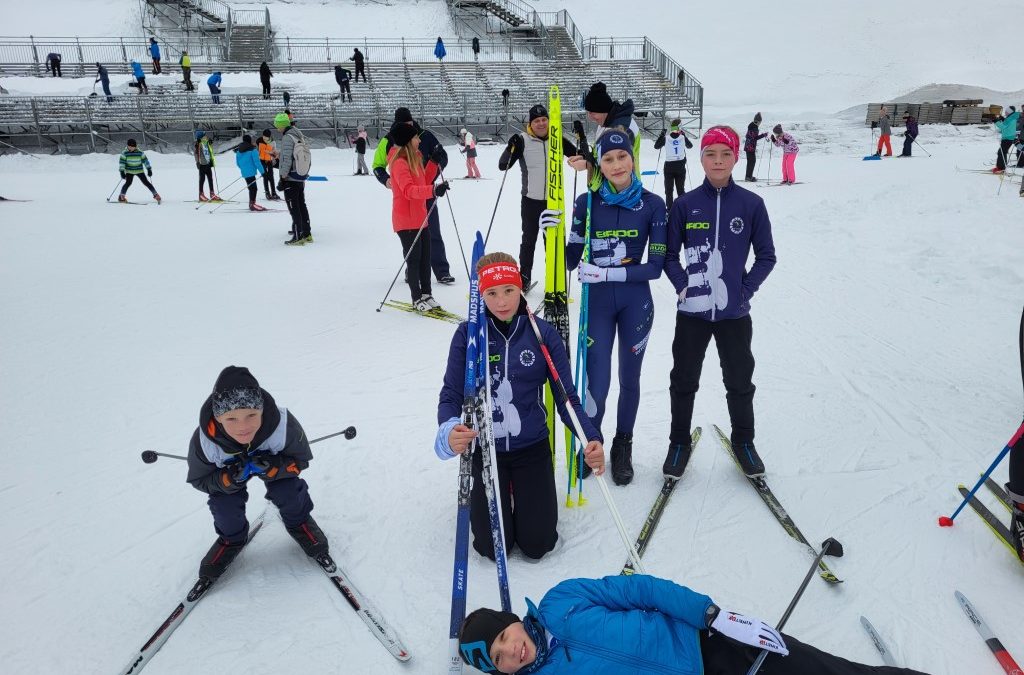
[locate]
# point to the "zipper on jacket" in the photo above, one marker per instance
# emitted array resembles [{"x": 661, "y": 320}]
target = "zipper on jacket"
[
  {"x": 718, "y": 215},
  {"x": 508, "y": 340},
  {"x": 630, "y": 661}
]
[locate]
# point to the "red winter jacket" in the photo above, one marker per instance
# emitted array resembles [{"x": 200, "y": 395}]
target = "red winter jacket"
[{"x": 409, "y": 193}]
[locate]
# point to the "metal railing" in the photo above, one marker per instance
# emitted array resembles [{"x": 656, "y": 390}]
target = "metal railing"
[
  {"x": 563, "y": 19},
  {"x": 80, "y": 55},
  {"x": 334, "y": 50}
]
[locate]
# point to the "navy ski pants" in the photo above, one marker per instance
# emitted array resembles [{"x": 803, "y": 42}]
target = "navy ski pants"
[
  {"x": 625, "y": 308},
  {"x": 289, "y": 495}
]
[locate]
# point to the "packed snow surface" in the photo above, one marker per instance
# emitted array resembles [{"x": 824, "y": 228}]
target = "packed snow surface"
[{"x": 886, "y": 370}]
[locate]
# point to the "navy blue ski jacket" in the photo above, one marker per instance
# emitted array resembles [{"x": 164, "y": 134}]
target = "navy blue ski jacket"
[
  {"x": 715, "y": 230},
  {"x": 619, "y": 235},
  {"x": 518, "y": 373}
]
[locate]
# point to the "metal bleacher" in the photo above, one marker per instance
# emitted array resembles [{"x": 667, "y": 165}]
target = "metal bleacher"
[{"x": 463, "y": 90}]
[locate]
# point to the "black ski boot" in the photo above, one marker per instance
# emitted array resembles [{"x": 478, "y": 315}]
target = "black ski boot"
[
  {"x": 217, "y": 559},
  {"x": 1017, "y": 522},
  {"x": 310, "y": 537},
  {"x": 750, "y": 461},
  {"x": 622, "y": 459},
  {"x": 676, "y": 460}
]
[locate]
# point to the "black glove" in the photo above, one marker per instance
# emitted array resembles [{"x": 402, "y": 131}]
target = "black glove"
[
  {"x": 272, "y": 467},
  {"x": 280, "y": 185},
  {"x": 515, "y": 143},
  {"x": 149, "y": 172},
  {"x": 229, "y": 479},
  {"x": 437, "y": 155},
  {"x": 122, "y": 175},
  {"x": 661, "y": 136},
  {"x": 441, "y": 188},
  {"x": 577, "y": 128}
]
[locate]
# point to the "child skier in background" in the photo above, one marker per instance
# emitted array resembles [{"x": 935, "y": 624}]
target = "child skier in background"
[
  {"x": 248, "y": 160},
  {"x": 243, "y": 433},
  {"x": 516, "y": 377},
  {"x": 675, "y": 143},
  {"x": 268, "y": 156},
  {"x": 202, "y": 151},
  {"x": 789, "y": 151},
  {"x": 468, "y": 143},
  {"x": 132, "y": 163},
  {"x": 626, "y": 221},
  {"x": 361, "y": 139}
]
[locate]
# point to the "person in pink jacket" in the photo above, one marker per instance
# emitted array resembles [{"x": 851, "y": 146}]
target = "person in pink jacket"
[
  {"x": 789, "y": 152},
  {"x": 411, "y": 187}
]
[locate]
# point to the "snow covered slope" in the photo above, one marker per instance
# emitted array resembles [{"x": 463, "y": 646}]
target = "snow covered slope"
[{"x": 887, "y": 372}]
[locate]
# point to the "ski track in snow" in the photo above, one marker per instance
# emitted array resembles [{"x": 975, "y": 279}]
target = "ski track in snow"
[{"x": 886, "y": 370}]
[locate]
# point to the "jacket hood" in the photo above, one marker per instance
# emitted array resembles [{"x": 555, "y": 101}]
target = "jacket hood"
[{"x": 621, "y": 114}]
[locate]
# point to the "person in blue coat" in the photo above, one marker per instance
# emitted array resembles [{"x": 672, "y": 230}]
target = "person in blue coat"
[
  {"x": 517, "y": 374},
  {"x": 626, "y": 222},
  {"x": 140, "y": 77},
  {"x": 1007, "y": 127},
  {"x": 154, "y": 52},
  {"x": 213, "y": 82},
  {"x": 439, "y": 50},
  {"x": 711, "y": 231},
  {"x": 104, "y": 79},
  {"x": 640, "y": 625},
  {"x": 247, "y": 157}
]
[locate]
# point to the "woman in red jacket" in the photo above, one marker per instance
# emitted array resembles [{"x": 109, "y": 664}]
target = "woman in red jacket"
[{"x": 411, "y": 187}]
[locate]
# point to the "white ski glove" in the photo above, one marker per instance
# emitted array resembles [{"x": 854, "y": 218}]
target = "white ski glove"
[
  {"x": 549, "y": 218},
  {"x": 592, "y": 274},
  {"x": 749, "y": 631}
]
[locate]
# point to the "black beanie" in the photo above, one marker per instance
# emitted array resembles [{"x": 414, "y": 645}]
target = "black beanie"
[
  {"x": 538, "y": 111},
  {"x": 403, "y": 115},
  {"x": 131, "y": 142},
  {"x": 478, "y": 633},
  {"x": 757, "y": 118},
  {"x": 267, "y": 133},
  {"x": 247, "y": 139},
  {"x": 402, "y": 134},
  {"x": 777, "y": 130},
  {"x": 597, "y": 99},
  {"x": 235, "y": 388}
]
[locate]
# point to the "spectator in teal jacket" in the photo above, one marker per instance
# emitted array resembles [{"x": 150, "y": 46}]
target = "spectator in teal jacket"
[
  {"x": 1008, "y": 133},
  {"x": 247, "y": 157}
]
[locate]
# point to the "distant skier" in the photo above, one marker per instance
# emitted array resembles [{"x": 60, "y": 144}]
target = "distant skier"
[
  {"x": 530, "y": 151},
  {"x": 186, "y": 71},
  {"x": 131, "y": 164},
  {"x": 268, "y": 157},
  {"x": 103, "y": 77},
  {"x": 626, "y": 222},
  {"x": 203, "y": 153},
  {"x": 343, "y": 77},
  {"x": 711, "y": 230},
  {"x": 885, "y": 133},
  {"x": 476, "y": 48},
  {"x": 358, "y": 58},
  {"x": 361, "y": 139},
  {"x": 213, "y": 82},
  {"x": 294, "y": 164},
  {"x": 642, "y": 625},
  {"x": 910, "y": 135},
  {"x": 53, "y": 64},
  {"x": 247, "y": 157},
  {"x": 243, "y": 434},
  {"x": 412, "y": 189},
  {"x": 750, "y": 146},
  {"x": 140, "y": 77},
  {"x": 468, "y": 143},
  {"x": 526, "y": 484},
  {"x": 676, "y": 144},
  {"x": 265, "y": 76},
  {"x": 154, "y": 52},
  {"x": 439, "y": 50},
  {"x": 790, "y": 148},
  {"x": 1007, "y": 127}
]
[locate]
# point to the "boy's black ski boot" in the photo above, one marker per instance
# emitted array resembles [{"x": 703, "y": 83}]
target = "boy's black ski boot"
[
  {"x": 676, "y": 460},
  {"x": 622, "y": 459},
  {"x": 750, "y": 461},
  {"x": 310, "y": 537},
  {"x": 217, "y": 559}
]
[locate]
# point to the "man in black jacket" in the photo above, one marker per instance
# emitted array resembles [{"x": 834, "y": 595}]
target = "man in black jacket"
[
  {"x": 343, "y": 76},
  {"x": 242, "y": 433},
  {"x": 357, "y": 56},
  {"x": 265, "y": 76}
]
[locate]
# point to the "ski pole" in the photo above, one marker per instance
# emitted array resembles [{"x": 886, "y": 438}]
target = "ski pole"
[
  {"x": 945, "y": 521},
  {"x": 150, "y": 456},
  {"x": 504, "y": 175},
  {"x": 768, "y": 178},
  {"x": 225, "y": 187},
  {"x": 578, "y": 428},
  {"x": 830, "y": 547},
  {"x": 119, "y": 180},
  {"x": 458, "y": 237},
  {"x": 657, "y": 163},
  {"x": 922, "y": 147},
  {"x": 405, "y": 260},
  {"x": 231, "y": 197}
]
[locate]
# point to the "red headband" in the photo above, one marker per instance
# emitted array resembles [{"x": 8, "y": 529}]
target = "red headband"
[
  {"x": 723, "y": 135},
  {"x": 499, "y": 273}
]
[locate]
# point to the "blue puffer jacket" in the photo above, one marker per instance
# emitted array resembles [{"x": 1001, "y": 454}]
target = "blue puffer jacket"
[
  {"x": 518, "y": 372},
  {"x": 1008, "y": 127},
  {"x": 137, "y": 70},
  {"x": 154, "y": 50},
  {"x": 716, "y": 228},
  {"x": 247, "y": 158},
  {"x": 622, "y": 625}
]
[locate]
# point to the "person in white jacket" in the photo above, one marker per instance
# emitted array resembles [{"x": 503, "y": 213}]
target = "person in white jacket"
[{"x": 468, "y": 143}]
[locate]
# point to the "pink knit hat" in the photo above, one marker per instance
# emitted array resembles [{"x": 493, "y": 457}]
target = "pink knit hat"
[{"x": 721, "y": 134}]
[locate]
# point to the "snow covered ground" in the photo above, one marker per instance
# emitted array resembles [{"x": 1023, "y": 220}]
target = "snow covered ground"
[{"x": 887, "y": 372}]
